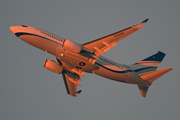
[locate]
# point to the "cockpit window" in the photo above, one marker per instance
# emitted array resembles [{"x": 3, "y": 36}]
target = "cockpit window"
[{"x": 24, "y": 26}]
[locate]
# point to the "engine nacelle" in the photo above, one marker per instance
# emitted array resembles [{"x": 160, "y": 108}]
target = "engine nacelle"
[
  {"x": 72, "y": 46},
  {"x": 53, "y": 66}
]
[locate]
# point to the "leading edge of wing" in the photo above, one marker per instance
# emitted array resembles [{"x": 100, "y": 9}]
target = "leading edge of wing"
[
  {"x": 105, "y": 36},
  {"x": 140, "y": 26}
]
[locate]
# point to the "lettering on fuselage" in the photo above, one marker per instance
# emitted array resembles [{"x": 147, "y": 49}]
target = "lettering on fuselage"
[{"x": 118, "y": 34}]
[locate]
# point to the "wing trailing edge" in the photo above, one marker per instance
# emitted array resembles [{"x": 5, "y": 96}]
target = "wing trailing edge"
[{"x": 71, "y": 82}]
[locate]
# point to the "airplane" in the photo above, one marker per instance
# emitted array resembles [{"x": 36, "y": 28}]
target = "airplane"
[{"x": 73, "y": 59}]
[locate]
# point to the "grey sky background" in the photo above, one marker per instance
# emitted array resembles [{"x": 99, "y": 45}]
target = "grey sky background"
[{"x": 30, "y": 92}]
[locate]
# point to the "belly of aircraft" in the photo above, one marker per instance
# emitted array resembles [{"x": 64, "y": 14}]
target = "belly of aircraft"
[
  {"x": 127, "y": 77},
  {"x": 111, "y": 75},
  {"x": 77, "y": 62}
]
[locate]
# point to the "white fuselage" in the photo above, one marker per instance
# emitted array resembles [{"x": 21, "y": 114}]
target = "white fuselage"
[{"x": 54, "y": 45}]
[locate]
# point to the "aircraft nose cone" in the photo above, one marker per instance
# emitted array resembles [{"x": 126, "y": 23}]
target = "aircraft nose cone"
[{"x": 14, "y": 29}]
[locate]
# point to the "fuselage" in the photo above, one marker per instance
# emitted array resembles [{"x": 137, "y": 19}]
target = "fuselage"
[{"x": 53, "y": 44}]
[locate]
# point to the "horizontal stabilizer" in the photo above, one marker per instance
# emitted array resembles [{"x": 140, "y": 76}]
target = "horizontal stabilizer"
[
  {"x": 152, "y": 76},
  {"x": 143, "y": 90}
]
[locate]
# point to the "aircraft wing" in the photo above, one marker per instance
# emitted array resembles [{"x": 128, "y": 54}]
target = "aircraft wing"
[
  {"x": 71, "y": 81},
  {"x": 101, "y": 45}
]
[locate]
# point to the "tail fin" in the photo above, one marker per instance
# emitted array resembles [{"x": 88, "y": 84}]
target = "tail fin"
[
  {"x": 149, "y": 64},
  {"x": 151, "y": 77},
  {"x": 147, "y": 70}
]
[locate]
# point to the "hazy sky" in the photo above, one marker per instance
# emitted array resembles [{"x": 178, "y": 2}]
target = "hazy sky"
[{"x": 30, "y": 92}]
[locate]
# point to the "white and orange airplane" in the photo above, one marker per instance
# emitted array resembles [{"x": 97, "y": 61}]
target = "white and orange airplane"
[{"x": 74, "y": 59}]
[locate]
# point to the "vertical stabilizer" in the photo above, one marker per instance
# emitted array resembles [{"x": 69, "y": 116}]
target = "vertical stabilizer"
[
  {"x": 146, "y": 69},
  {"x": 149, "y": 64}
]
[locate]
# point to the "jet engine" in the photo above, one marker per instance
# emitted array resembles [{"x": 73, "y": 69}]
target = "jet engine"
[
  {"x": 53, "y": 66},
  {"x": 72, "y": 46}
]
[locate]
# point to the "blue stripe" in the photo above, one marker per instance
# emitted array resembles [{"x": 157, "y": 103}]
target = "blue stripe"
[
  {"x": 113, "y": 70},
  {"x": 137, "y": 70},
  {"x": 23, "y": 33}
]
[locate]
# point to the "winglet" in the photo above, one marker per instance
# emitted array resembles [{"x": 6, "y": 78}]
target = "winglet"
[
  {"x": 139, "y": 26},
  {"x": 145, "y": 20},
  {"x": 78, "y": 92}
]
